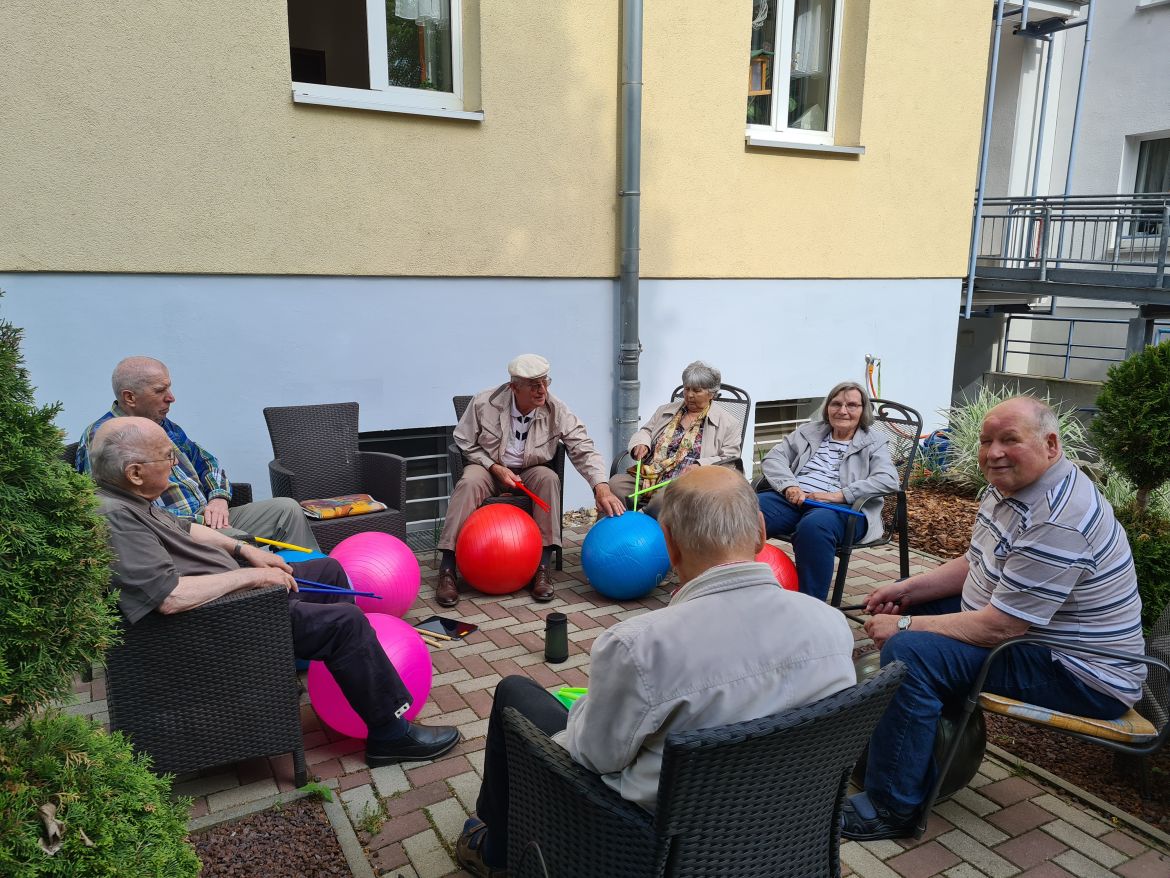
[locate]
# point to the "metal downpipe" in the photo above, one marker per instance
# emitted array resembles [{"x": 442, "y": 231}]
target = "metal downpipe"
[
  {"x": 976, "y": 227},
  {"x": 629, "y": 215},
  {"x": 1076, "y": 124}
]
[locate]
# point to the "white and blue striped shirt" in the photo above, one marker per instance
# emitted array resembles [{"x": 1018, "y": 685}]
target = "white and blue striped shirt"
[
  {"x": 1054, "y": 555},
  {"x": 822, "y": 471}
]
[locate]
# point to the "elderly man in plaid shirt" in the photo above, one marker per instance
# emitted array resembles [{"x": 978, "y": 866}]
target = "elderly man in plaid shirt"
[{"x": 199, "y": 490}]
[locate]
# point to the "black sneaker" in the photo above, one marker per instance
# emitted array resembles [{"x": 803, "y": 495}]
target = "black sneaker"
[{"x": 861, "y": 820}]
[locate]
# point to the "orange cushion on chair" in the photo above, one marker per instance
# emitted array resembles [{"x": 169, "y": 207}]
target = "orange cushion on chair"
[{"x": 1130, "y": 728}]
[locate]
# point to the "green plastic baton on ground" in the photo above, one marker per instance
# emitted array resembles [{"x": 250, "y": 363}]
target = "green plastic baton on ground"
[{"x": 566, "y": 695}]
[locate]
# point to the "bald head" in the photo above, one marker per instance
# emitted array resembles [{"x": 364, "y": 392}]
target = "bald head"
[
  {"x": 122, "y": 444},
  {"x": 1029, "y": 412},
  {"x": 142, "y": 386},
  {"x": 711, "y": 516},
  {"x": 1018, "y": 442}
]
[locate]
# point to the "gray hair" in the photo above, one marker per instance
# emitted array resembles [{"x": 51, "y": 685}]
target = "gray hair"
[
  {"x": 866, "y": 402},
  {"x": 709, "y": 521},
  {"x": 133, "y": 374},
  {"x": 702, "y": 375},
  {"x": 116, "y": 444},
  {"x": 1045, "y": 419}
]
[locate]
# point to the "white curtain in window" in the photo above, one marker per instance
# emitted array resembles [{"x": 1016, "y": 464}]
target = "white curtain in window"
[
  {"x": 812, "y": 36},
  {"x": 421, "y": 11}
]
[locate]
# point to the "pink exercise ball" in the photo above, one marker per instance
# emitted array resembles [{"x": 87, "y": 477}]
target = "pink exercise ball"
[
  {"x": 781, "y": 566},
  {"x": 410, "y": 657},
  {"x": 382, "y": 564},
  {"x": 498, "y": 549}
]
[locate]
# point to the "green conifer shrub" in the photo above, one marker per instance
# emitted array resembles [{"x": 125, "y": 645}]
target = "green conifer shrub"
[{"x": 114, "y": 817}]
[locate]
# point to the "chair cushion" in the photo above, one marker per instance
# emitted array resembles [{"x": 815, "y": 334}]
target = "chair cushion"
[{"x": 1131, "y": 728}]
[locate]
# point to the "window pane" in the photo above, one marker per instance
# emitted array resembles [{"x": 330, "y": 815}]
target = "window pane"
[
  {"x": 812, "y": 52},
  {"x": 327, "y": 42},
  {"x": 1153, "y": 175},
  {"x": 761, "y": 62},
  {"x": 418, "y": 44}
]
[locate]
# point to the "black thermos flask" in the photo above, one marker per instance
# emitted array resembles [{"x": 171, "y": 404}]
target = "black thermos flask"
[{"x": 556, "y": 637}]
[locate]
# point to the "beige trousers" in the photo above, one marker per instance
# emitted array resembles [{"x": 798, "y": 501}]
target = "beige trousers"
[{"x": 478, "y": 484}]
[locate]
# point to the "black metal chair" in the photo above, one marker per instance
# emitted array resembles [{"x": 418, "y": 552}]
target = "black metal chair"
[
  {"x": 756, "y": 798},
  {"x": 456, "y": 463},
  {"x": 241, "y": 491},
  {"x": 731, "y": 400},
  {"x": 902, "y": 427},
  {"x": 209, "y": 686},
  {"x": 1139, "y": 733},
  {"x": 317, "y": 456}
]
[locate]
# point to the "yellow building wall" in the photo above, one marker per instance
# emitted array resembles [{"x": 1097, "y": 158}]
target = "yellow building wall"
[{"x": 162, "y": 137}]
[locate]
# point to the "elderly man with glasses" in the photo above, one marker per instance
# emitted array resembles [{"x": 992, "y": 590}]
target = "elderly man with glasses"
[
  {"x": 509, "y": 433},
  {"x": 198, "y": 489}
]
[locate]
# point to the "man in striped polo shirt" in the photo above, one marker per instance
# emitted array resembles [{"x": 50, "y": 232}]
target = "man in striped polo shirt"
[{"x": 1047, "y": 556}]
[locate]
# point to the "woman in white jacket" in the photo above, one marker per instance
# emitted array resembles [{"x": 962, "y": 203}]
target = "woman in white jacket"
[{"x": 835, "y": 459}]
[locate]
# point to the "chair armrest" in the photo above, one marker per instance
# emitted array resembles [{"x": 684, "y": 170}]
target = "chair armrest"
[
  {"x": 241, "y": 494},
  {"x": 455, "y": 463},
  {"x": 580, "y": 824},
  {"x": 283, "y": 480},
  {"x": 384, "y": 477}
]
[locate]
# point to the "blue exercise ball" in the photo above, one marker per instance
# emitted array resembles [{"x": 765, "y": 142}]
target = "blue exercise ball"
[{"x": 625, "y": 556}]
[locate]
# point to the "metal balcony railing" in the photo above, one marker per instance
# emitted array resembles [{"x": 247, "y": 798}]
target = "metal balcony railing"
[{"x": 1117, "y": 233}]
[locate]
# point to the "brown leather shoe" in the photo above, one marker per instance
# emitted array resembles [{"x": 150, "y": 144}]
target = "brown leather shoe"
[
  {"x": 447, "y": 592},
  {"x": 542, "y": 589}
]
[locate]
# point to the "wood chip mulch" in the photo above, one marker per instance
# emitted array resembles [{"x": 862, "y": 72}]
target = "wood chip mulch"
[{"x": 292, "y": 839}]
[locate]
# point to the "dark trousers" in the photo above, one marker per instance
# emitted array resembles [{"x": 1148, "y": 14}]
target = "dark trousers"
[
  {"x": 939, "y": 673},
  {"x": 330, "y": 628},
  {"x": 815, "y": 533},
  {"x": 547, "y": 714}
]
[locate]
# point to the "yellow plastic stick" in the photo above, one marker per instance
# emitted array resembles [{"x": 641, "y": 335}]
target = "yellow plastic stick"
[{"x": 281, "y": 545}]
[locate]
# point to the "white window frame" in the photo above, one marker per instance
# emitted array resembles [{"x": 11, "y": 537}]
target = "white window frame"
[
  {"x": 390, "y": 98},
  {"x": 780, "y": 134}
]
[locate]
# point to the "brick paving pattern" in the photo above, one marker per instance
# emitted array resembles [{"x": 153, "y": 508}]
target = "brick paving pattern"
[{"x": 1003, "y": 825}]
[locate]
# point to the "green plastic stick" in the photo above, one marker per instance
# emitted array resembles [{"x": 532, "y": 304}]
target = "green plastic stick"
[
  {"x": 636, "y": 494},
  {"x": 637, "y": 482}
]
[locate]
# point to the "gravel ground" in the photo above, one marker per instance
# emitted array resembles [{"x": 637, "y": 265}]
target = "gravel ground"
[{"x": 292, "y": 839}]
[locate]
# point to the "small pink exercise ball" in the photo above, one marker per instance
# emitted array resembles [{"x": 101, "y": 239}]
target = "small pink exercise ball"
[
  {"x": 781, "y": 566},
  {"x": 410, "y": 657},
  {"x": 383, "y": 564},
  {"x": 498, "y": 549}
]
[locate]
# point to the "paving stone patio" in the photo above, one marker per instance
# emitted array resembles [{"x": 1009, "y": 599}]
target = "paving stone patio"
[{"x": 1003, "y": 825}]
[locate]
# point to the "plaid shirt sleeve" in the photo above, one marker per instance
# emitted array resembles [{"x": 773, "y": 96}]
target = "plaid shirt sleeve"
[
  {"x": 210, "y": 475},
  {"x": 81, "y": 462}
]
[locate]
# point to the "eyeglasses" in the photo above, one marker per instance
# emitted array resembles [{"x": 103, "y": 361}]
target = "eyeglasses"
[
  {"x": 172, "y": 458},
  {"x": 852, "y": 406},
  {"x": 535, "y": 383},
  {"x": 698, "y": 390}
]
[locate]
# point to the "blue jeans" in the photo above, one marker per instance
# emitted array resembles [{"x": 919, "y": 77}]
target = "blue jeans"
[
  {"x": 940, "y": 672},
  {"x": 815, "y": 534}
]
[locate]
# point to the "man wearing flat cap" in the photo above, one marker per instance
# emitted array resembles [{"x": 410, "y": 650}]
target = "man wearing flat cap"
[{"x": 509, "y": 433}]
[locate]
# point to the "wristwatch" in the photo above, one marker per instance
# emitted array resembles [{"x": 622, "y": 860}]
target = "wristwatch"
[
  {"x": 238, "y": 551},
  {"x": 904, "y": 622}
]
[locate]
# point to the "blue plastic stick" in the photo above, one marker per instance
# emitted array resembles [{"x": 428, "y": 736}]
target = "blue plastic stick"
[
  {"x": 359, "y": 594},
  {"x": 834, "y": 507}
]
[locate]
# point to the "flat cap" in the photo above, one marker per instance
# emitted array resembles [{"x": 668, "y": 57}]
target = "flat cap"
[{"x": 528, "y": 366}]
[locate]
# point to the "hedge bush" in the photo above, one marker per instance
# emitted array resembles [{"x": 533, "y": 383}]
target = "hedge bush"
[
  {"x": 116, "y": 818},
  {"x": 1149, "y": 538},
  {"x": 56, "y": 617}
]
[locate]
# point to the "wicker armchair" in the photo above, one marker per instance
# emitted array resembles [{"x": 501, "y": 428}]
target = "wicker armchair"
[
  {"x": 241, "y": 491},
  {"x": 902, "y": 428},
  {"x": 455, "y": 464},
  {"x": 757, "y": 798},
  {"x": 316, "y": 451},
  {"x": 209, "y": 686}
]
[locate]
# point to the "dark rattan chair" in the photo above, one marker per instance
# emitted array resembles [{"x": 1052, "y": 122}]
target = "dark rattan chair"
[
  {"x": 902, "y": 427},
  {"x": 317, "y": 456},
  {"x": 455, "y": 464},
  {"x": 757, "y": 798},
  {"x": 241, "y": 491},
  {"x": 209, "y": 686},
  {"x": 1138, "y": 734},
  {"x": 731, "y": 400}
]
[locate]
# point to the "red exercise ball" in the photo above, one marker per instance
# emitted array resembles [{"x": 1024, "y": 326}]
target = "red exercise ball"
[
  {"x": 781, "y": 566},
  {"x": 498, "y": 549}
]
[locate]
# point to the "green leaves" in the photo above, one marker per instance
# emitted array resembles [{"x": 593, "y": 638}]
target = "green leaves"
[{"x": 1132, "y": 427}]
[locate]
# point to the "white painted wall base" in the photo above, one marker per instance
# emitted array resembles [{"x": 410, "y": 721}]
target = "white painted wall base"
[{"x": 402, "y": 347}]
